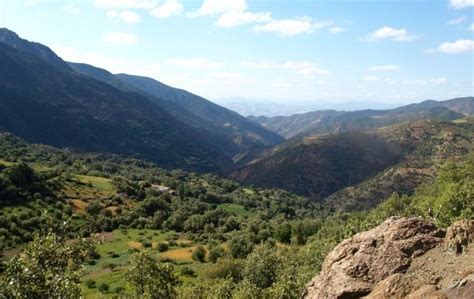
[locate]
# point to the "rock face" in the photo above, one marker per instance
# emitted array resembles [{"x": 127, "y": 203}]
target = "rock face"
[
  {"x": 357, "y": 264},
  {"x": 459, "y": 236}
]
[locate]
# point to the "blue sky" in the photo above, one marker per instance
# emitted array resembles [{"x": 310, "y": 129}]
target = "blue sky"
[{"x": 281, "y": 51}]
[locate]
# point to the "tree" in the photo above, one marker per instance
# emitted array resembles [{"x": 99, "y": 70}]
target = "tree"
[
  {"x": 283, "y": 233},
  {"x": 261, "y": 267},
  {"x": 48, "y": 267},
  {"x": 150, "y": 277},
  {"x": 199, "y": 254}
]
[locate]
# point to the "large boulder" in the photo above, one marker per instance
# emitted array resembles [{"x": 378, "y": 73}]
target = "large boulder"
[{"x": 357, "y": 264}]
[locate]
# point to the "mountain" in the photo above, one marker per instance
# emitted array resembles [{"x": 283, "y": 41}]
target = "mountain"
[
  {"x": 331, "y": 121},
  {"x": 231, "y": 133},
  {"x": 44, "y": 101},
  {"x": 36, "y": 49},
  {"x": 358, "y": 170}
]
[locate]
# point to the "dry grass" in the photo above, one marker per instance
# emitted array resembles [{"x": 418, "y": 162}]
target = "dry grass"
[
  {"x": 79, "y": 205},
  {"x": 134, "y": 244},
  {"x": 179, "y": 254}
]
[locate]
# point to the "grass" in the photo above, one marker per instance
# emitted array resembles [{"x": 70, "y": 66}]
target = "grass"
[
  {"x": 116, "y": 248},
  {"x": 5, "y": 163},
  {"x": 239, "y": 210},
  {"x": 96, "y": 182}
]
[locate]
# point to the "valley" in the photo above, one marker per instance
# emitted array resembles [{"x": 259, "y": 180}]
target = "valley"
[{"x": 115, "y": 185}]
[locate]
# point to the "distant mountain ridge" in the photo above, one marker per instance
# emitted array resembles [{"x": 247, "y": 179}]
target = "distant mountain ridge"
[
  {"x": 232, "y": 133},
  {"x": 332, "y": 121},
  {"x": 73, "y": 105},
  {"x": 58, "y": 106}
]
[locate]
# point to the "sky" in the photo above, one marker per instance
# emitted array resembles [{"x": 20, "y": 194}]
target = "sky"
[{"x": 281, "y": 51}]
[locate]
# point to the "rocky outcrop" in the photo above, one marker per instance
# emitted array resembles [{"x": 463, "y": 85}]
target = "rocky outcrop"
[
  {"x": 400, "y": 259},
  {"x": 353, "y": 268},
  {"x": 459, "y": 236}
]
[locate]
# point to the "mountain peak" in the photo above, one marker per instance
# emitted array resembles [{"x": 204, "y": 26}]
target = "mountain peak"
[{"x": 41, "y": 51}]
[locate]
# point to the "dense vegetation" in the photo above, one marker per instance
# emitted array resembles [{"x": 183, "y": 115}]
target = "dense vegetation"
[
  {"x": 319, "y": 166},
  {"x": 205, "y": 237}
]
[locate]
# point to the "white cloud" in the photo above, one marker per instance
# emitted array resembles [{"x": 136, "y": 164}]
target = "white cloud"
[
  {"x": 459, "y": 4},
  {"x": 370, "y": 78},
  {"x": 386, "y": 32},
  {"x": 260, "y": 65},
  {"x": 217, "y": 7},
  {"x": 71, "y": 8},
  {"x": 234, "y": 19},
  {"x": 457, "y": 21},
  {"x": 225, "y": 75},
  {"x": 124, "y": 4},
  {"x": 336, "y": 29},
  {"x": 120, "y": 38},
  {"x": 306, "y": 69},
  {"x": 288, "y": 27},
  {"x": 471, "y": 27},
  {"x": 167, "y": 9},
  {"x": 386, "y": 67},
  {"x": 459, "y": 46},
  {"x": 127, "y": 16},
  {"x": 198, "y": 63},
  {"x": 438, "y": 81}
]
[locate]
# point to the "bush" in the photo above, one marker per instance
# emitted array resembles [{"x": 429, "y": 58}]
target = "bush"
[
  {"x": 90, "y": 284},
  {"x": 162, "y": 247},
  {"x": 214, "y": 254},
  {"x": 103, "y": 287},
  {"x": 186, "y": 271},
  {"x": 199, "y": 254},
  {"x": 226, "y": 269}
]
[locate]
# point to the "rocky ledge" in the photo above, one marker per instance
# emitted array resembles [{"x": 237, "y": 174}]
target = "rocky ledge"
[{"x": 401, "y": 258}]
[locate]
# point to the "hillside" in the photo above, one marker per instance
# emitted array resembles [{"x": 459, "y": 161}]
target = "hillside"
[
  {"x": 331, "y": 121},
  {"x": 46, "y": 104},
  {"x": 218, "y": 239},
  {"x": 230, "y": 132},
  {"x": 383, "y": 161}
]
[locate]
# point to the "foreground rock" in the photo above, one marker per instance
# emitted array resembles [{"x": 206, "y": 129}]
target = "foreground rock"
[
  {"x": 353, "y": 268},
  {"x": 399, "y": 259}
]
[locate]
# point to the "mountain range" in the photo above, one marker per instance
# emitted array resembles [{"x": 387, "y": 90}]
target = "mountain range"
[
  {"x": 345, "y": 160},
  {"x": 332, "y": 121},
  {"x": 47, "y": 100}
]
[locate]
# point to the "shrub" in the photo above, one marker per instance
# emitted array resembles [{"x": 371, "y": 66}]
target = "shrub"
[
  {"x": 186, "y": 271},
  {"x": 103, "y": 287},
  {"x": 162, "y": 247},
  {"x": 199, "y": 254},
  {"x": 90, "y": 283}
]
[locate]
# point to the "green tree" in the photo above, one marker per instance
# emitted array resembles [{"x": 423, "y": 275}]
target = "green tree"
[
  {"x": 151, "y": 278},
  {"x": 48, "y": 267},
  {"x": 261, "y": 267},
  {"x": 199, "y": 254}
]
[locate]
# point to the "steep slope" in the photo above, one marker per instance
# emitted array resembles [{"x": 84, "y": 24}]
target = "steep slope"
[
  {"x": 318, "y": 166},
  {"x": 11, "y": 38},
  {"x": 229, "y": 131},
  {"x": 436, "y": 143},
  {"x": 46, "y": 104},
  {"x": 330, "y": 121}
]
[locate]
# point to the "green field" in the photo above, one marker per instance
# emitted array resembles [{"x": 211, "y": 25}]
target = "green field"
[
  {"x": 96, "y": 182},
  {"x": 116, "y": 248},
  {"x": 239, "y": 210}
]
